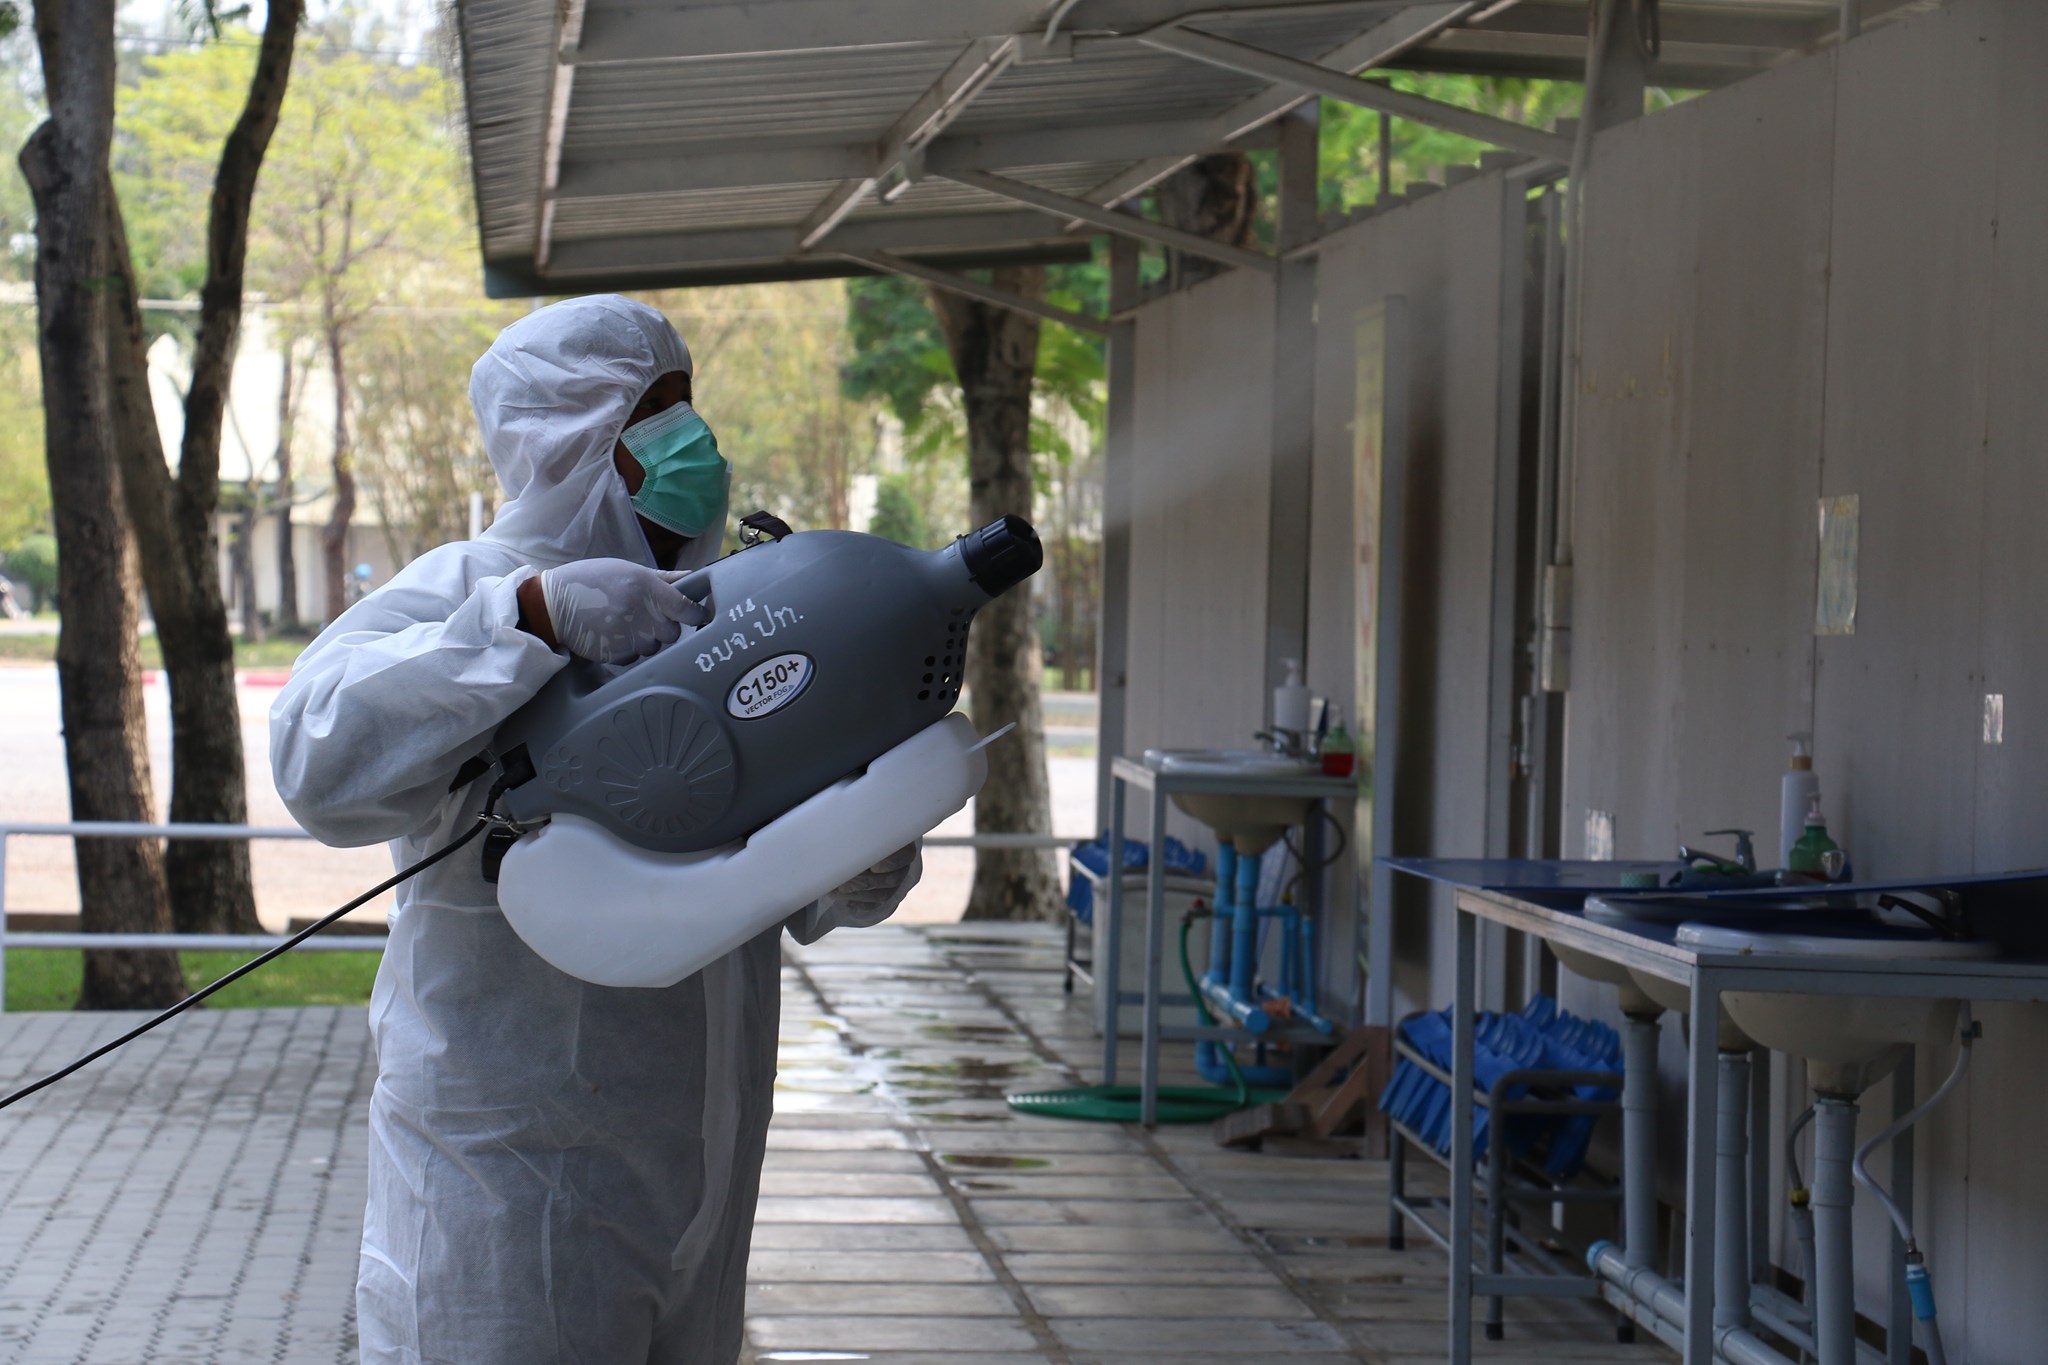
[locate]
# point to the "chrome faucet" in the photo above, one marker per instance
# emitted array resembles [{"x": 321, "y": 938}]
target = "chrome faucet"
[
  {"x": 1288, "y": 742},
  {"x": 1745, "y": 850}
]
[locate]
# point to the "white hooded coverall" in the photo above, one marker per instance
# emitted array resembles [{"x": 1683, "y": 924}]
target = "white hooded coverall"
[{"x": 559, "y": 1172}]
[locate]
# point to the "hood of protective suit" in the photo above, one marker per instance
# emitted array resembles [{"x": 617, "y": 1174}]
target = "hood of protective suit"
[{"x": 551, "y": 397}]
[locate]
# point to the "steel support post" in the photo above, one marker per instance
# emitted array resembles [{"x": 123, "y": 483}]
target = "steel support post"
[
  {"x": 1463, "y": 1004},
  {"x": 1109, "y": 974},
  {"x": 1702, "y": 1085},
  {"x": 1293, "y": 399},
  {"x": 1119, "y": 451},
  {"x": 1155, "y": 935},
  {"x": 1731, "y": 1214}
]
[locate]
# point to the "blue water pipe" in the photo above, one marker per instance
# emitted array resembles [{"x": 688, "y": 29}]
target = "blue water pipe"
[
  {"x": 1220, "y": 921},
  {"x": 1230, "y": 983}
]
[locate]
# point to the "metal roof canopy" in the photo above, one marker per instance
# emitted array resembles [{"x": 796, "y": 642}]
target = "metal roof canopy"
[{"x": 624, "y": 145}]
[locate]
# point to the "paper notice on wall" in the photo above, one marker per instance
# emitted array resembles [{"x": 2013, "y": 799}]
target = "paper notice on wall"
[
  {"x": 1834, "y": 609},
  {"x": 1600, "y": 836}
]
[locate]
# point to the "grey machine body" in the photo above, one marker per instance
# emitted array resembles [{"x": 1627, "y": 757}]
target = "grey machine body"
[{"x": 825, "y": 650}]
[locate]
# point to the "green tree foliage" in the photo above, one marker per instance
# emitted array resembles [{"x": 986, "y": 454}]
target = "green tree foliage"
[
  {"x": 418, "y": 448},
  {"x": 897, "y": 514},
  {"x": 1350, "y": 141},
  {"x": 898, "y": 355},
  {"x": 766, "y": 357},
  {"x": 24, "y": 479},
  {"x": 899, "y": 358},
  {"x": 32, "y": 564}
]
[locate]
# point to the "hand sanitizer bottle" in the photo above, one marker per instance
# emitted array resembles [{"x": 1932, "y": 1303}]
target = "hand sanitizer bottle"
[
  {"x": 1798, "y": 791},
  {"x": 1806, "y": 854}
]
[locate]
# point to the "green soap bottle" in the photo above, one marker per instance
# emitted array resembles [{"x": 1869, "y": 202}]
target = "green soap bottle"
[{"x": 1806, "y": 854}]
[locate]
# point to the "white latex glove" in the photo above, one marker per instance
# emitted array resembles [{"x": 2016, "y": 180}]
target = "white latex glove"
[
  {"x": 613, "y": 610},
  {"x": 879, "y": 886}
]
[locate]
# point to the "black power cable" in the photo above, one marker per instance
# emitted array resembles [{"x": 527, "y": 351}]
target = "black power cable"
[{"x": 483, "y": 822}]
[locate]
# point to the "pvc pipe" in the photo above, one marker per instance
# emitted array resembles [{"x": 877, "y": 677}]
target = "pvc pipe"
[
  {"x": 1244, "y": 951},
  {"x": 1218, "y": 970},
  {"x": 1639, "y": 1141},
  {"x": 1666, "y": 1301},
  {"x": 1731, "y": 1192},
  {"x": 1834, "y": 1273},
  {"x": 1249, "y": 1014}
]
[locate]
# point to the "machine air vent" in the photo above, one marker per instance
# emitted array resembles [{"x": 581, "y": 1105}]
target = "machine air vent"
[{"x": 664, "y": 766}]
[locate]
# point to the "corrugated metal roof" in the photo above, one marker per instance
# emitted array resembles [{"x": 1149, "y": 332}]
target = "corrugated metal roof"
[{"x": 703, "y": 140}]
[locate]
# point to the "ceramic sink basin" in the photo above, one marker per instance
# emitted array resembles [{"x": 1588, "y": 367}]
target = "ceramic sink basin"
[
  {"x": 1848, "y": 1041},
  {"x": 1633, "y": 1000},
  {"x": 1655, "y": 915},
  {"x": 1250, "y": 822}
]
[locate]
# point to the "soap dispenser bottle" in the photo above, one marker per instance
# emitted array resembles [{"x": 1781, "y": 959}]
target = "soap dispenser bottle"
[
  {"x": 1799, "y": 790},
  {"x": 1807, "y": 855},
  {"x": 1290, "y": 705}
]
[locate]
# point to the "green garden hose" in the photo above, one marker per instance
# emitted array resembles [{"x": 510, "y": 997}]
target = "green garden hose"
[{"x": 1176, "y": 1103}]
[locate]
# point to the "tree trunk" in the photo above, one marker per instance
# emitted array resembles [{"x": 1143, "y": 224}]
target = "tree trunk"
[
  {"x": 334, "y": 535},
  {"x": 1216, "y": 196},
  {"x": 995, "y": 356},
  {"x": 287, "y": 556},
  {"x": 99, "y": 670},
  {"x": 242, "y": 560},
  {"x": 209, "y": 880}
]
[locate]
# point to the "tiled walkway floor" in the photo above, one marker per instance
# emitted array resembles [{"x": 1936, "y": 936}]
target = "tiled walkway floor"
[
  {"x": 198, "y": 1197},
  {"x": 908, "y": 1216}
]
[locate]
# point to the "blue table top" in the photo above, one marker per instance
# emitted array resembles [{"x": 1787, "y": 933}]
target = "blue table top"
[
  {"x": 1595, "y": 878},
  {"x": 1528, "y": 874}
]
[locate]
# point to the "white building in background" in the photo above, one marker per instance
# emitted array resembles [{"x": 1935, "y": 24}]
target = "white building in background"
[{"x": 249, "y": 449}]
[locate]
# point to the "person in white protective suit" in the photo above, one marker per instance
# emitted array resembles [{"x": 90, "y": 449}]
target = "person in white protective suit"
[{"x": 559, "y": 1172}]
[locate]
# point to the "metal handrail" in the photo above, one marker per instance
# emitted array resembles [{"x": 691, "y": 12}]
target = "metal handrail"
[{"x": 130, "y": 829}]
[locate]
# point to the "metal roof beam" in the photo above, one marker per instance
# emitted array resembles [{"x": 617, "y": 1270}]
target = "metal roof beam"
[
  {"x": 885, "y": 263},
  {"x": 1778, "y": 27},
  {"x": 913, "y": 236},
  {"x": 727, "y": 165},
  {"x": 748, "y": 27},
  {"x": 1112, "y": 220},
  {"x": 568, "y": 35},
  {"x": 1377, "y": 46},
  {"x": 944, "y": 101},
  {"x": 1338, "y": 85},
  {"x": 718, "y": 166}
]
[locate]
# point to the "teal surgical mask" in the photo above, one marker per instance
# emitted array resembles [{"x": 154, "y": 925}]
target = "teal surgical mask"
[{"x": 685, "y": 489}]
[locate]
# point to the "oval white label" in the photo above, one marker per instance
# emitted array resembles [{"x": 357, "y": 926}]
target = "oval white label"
[{"x": 769, "y": 686}]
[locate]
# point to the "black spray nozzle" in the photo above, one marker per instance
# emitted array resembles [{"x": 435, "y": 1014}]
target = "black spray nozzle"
[{"x": 1001, "y": 554}]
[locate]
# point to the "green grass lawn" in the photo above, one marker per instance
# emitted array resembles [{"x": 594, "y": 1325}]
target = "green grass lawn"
[
  {"x": 261, "y": 654},
  {"x": 47, "y": 979}
]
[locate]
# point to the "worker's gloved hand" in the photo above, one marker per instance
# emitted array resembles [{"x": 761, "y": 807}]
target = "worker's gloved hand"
[
  {"x": 880, "y": 886},
  {"x": 613, "y": 610}
]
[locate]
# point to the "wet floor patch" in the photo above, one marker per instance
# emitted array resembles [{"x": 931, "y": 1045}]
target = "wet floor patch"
[{"x": 993, "y": 1161}]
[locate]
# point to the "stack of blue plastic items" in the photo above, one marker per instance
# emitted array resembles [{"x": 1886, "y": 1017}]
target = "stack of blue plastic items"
[
  {"x": 1094, "y": 855},
  {"x": 1541, "y": 1036}
]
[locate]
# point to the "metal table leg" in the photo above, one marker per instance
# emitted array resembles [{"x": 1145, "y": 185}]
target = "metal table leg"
[
  {"x": 1109, "y": 976},
  {"x": 1397, "y": 1188},
  {"x": 1702, "y": 1084},
  {"x": 1463, "y": 1002},
  {"x": 1155, "y": 935}
]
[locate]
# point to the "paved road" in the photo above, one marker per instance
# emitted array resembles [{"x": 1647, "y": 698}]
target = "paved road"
[{"x": 300, "y": 878}]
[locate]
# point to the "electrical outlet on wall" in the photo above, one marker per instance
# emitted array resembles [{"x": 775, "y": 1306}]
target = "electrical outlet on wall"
[{"x": 1994, "y": 717}]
